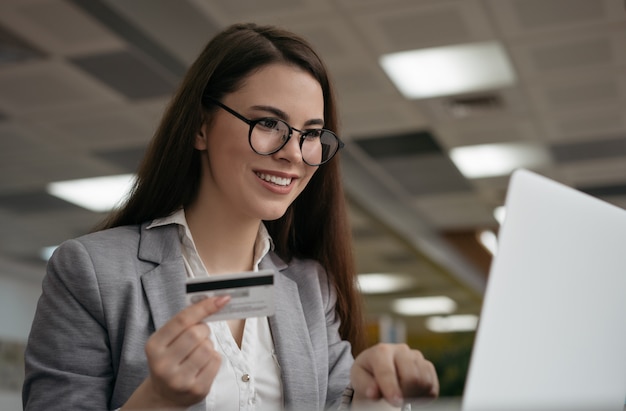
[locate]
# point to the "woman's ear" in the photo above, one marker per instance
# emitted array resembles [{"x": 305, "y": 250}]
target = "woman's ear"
[{"x": 200, "y": 142}]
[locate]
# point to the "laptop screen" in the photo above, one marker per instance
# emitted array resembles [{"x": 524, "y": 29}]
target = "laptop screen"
[{"x": 552, "y": 331}]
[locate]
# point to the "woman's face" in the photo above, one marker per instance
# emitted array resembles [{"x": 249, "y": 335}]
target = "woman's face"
[{"x": 237, "y": 179}]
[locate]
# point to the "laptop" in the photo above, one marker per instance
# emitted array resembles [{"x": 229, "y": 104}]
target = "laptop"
[{"x": 552, "y": 331}]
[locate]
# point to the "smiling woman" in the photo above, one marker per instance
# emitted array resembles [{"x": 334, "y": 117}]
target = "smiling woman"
[{"x": 241, "y": 176}]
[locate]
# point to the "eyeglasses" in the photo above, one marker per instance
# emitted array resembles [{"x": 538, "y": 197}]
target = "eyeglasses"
[{"x": 269, "y": 135}]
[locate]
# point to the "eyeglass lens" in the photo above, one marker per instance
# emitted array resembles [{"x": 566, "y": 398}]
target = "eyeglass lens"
[{"x": 270, "y": 135}]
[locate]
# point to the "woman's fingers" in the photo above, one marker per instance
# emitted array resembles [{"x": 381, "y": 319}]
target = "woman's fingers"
[
  {"x": 374, "y": 374},
  {"x": 416, "y": 375},
  {"x": 191, "y": 315},
  {"x": 393, "y": 372},
  {"x": 183, "y": 362}
]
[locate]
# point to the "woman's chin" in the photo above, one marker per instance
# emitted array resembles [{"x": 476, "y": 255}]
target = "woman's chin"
[{"x": 275, "y": 214}]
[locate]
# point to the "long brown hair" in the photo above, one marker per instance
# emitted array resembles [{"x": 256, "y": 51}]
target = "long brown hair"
[{"x": 315, "y": 225}]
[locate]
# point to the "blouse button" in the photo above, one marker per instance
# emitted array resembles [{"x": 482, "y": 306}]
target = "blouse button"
[{"x": 245, "y": 377}]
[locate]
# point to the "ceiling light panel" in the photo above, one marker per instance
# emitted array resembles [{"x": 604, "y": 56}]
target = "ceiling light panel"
[
  {"x": 452, "y": 323},
  {"x": 424, "y": 305},
  {"x": 449, "y": 70},
  {"x": 491, "y": 160},
  {"x": 380, "y": 283},
  {"x": 99, "y": 194}
]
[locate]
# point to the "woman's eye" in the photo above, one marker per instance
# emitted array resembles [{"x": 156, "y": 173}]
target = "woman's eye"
[
  {"x": 270, "y": 123},
  {"x": 315, "y": 133}
]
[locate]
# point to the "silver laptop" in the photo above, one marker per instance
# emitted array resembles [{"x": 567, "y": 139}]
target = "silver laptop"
[{"x": 552, "y": 331}]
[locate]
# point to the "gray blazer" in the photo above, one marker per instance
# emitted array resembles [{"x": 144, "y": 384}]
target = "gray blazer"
[{"x": 105, "y": 293}]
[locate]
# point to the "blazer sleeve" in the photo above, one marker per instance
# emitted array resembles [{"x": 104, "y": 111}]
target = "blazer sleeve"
[
  {"x": 340, "y": 358},
  {"x": 68, "y": 363}
]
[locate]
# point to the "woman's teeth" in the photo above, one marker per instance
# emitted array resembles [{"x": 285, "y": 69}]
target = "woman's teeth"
[{"x": 274, "y": 180}]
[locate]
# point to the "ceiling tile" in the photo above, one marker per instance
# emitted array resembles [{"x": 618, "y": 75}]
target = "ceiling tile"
[
  {"x": 496, "y": 106},
  {"x": 238, "y": 7},
  {"x": 604, "y": 91},
  {"x": 372, "y": 117},
  {"x": 542, "y": 13},
  {"x": 403, "y": 27},
  {"x": 587, "y": 122},
  {"x": 57, "y": 26},
  {"x": 32, "y": 202},
  {"x": 587, "y": 150},
  {"x": 133, "y": 35},
  {"x": 473, "y": 131},
  {"x": 92, "y": 130},
  {"x": 14, "y": 49},
  {"x": 455, "y": 210},
  {"x": 596, "y": 172},
  {"x": 176, "y": 26},
  {"x": 586, "y": 52},
  {"x": 517, "y": 18},
  {"x": 416, "y": 143},
  {"x": 424, "y": 174},
  {"x": 29, "y": 161},
  {"x": 127, "y": 73},
  {"x": 448, "y": 26},
  {"x": 285, "y": 13},
  {"x": 32, "y": 87},
  {"x": 338, "y": 43},
  {"x": 354, "y": 81},
  {"x": 127, "y": 159},
  {"x": 612, "y": 190}
]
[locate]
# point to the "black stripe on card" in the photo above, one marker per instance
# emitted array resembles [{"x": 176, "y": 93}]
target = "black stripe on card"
[{"x": 234, "y": 283}]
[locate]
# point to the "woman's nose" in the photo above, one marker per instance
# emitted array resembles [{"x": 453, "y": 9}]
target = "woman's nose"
[{"x": 291, "y": 151}]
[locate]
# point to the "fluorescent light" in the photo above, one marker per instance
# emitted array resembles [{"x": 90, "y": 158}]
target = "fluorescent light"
[
  {"x": 489, "y": 160},
  {"x": 499, "y": 213},
  {"x": 378, "y": 283},
  {"x": 489, "y": 240},
  {"x": 46, "y": 252},
  {"x": 452, "y": 323},
  {"x": 424, "y": 305},
  {"x": 449, "y": 70},
  {"x": 97, "y": 194}
]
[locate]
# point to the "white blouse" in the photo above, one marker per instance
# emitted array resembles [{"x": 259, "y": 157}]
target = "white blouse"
[{"x": 249, "y": 378}]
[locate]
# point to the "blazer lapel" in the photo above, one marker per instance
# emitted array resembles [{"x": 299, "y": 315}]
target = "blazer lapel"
[
  {"x": 164, "y": 285},
  {"x": 292, "y": 341}
]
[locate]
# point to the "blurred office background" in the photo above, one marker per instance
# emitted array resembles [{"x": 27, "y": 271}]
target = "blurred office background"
[{"x": 540, "y": 84}]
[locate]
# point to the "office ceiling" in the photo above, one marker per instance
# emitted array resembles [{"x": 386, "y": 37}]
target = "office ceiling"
[{"x": 83, "y": 83}]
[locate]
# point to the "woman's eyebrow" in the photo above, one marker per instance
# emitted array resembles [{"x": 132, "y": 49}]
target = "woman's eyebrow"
[{"x": 285, "y": 117}]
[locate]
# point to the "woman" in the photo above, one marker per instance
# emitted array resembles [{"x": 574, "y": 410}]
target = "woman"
[{"x": 241, "y": 176}]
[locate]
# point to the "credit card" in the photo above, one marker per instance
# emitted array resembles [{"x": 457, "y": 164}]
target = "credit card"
[{"x": 251, "y": 292}]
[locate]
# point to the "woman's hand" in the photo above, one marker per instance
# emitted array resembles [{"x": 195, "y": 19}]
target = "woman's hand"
[
  {"x": 182, "y": 360},
  {"x": 393, "y": 372}
]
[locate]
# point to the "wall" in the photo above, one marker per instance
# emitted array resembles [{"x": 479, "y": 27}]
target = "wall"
[{"x": 18, "y": 299}]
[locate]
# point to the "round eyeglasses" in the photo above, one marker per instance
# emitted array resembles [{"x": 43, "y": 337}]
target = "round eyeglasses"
[{"x": 268, "y": 135}]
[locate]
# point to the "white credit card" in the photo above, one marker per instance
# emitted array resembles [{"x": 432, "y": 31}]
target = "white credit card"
[{"x": 251, "y": 292}]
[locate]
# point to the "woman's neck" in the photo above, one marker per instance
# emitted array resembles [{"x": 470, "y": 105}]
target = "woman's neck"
[{"x": 225, "y": 243}]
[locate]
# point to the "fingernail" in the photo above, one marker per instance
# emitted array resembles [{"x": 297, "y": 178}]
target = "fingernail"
[
  {"x": 397, "y": 401},
  {"x": 370, "y": 393}
]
